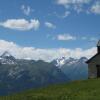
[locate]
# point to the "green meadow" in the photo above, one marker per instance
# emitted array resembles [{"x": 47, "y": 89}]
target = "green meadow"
[{"x": 78, "y": 90}]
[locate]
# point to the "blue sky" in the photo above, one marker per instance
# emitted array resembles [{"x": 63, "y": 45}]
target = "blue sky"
[{"x": 50, "y": 24}]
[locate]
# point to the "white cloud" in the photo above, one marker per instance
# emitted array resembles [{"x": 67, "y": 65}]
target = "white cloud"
[
  {"x": 65, "y": 2},
  {"x": 96, "y": 8},
  {"x": 21, "y": 24},
  {"x": 66, "y": 14},
  {"x": 26, "y": 9},
  {"x": 65, "y": 37},
  {"x": 86, "y": 6},
  {"x": 62, "y": 16},
  {"x": 75, "y": 5},
  {"x": 50, "y": 25},
  {"x": 43, "y": 54},
  {"x": 78, "y": 8}
]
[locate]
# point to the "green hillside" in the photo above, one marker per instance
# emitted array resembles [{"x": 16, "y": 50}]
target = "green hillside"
[{"x": 79, "y": 90}]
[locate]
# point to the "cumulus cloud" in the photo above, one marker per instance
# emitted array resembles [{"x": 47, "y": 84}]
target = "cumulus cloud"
[
  {"x": 26, "y": 10},
  {"x": 43, "y": 54},
  {"x": 21, "y": 24},
  {"x": 65, "y": 37},
  {"x": 96, "y": 8},
  {"x": 50, "y": 25}
]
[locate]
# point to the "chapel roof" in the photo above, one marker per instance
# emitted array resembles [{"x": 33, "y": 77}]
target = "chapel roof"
[{"x": 98, "y": 44}]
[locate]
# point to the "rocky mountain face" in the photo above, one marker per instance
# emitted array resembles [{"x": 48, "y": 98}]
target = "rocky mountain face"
[
  {"x": 19, "y": 74},
  {"x": 75, "y": 69}
]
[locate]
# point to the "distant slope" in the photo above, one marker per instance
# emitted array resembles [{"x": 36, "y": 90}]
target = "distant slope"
[
  {"x": 79, "y": 90},
  {"x": 75, "y": 69}
]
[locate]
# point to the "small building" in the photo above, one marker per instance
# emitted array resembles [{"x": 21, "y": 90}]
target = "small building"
[{"x": 94, "y": 64}]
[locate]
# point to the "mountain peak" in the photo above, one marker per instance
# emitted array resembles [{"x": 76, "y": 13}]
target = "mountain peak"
[
  {"x": 6, "y": 54},
  {"x": 59, "y": 61},
  {"x": 7, "y": 58}
]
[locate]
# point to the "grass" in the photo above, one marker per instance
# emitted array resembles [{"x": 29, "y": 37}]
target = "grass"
[{"x": 78, "y": 90}]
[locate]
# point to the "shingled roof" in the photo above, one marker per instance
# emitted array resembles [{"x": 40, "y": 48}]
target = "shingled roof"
[{"x": 92, "y": 58}]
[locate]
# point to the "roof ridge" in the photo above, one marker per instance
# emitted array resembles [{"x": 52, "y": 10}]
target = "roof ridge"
[{"x": 98, "y": 44}]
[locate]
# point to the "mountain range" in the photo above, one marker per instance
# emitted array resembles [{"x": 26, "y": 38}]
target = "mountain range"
[
  {"x": 20, "y": 74},
  {"x": 75, "y": 69}
]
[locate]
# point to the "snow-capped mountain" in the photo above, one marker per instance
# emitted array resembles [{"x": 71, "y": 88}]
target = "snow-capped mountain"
[
  {"x": 70, "y": 61},
  {"x": 7, "y": 58},
  {"x": 59, "y": 62}
]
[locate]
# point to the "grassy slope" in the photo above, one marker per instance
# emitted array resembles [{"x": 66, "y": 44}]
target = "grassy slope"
[{"x": 79, "y": 90}]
